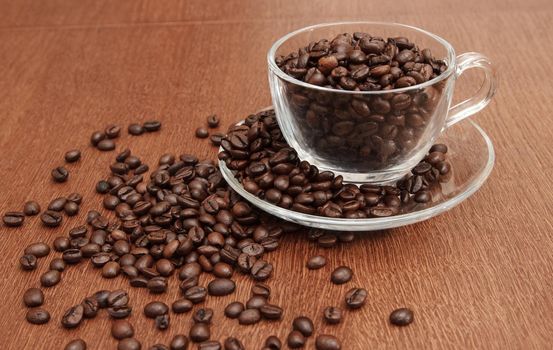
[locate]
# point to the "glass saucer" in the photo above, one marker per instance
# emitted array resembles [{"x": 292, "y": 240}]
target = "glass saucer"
[{"x": 470, "y": 153}]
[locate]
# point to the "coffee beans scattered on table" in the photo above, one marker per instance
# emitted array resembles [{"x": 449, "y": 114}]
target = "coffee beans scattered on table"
[
  {"x": 401, "y": 317},
  {"x": 267, "y": 167}
]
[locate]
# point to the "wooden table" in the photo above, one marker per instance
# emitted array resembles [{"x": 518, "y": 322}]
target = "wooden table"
[{"x": 479, "y": 276}]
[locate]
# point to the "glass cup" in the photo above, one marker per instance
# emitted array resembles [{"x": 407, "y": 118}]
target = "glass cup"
[{"x": 372, "y": 136}]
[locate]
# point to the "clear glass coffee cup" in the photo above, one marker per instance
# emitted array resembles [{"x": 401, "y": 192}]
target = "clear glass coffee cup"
[{"x": 374, "y": 136}]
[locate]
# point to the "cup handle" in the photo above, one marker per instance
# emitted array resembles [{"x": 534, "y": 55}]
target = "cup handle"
[{"x": 484, "y": 94}]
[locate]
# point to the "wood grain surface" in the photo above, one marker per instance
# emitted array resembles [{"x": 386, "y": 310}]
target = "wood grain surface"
[{"x": 479, "y": 276}]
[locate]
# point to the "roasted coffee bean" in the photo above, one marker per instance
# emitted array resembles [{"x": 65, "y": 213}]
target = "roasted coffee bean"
[
  {"x": 162, "y": 322},
  {"x": 61, "y": 244},
  {"x": 60, "y": 174},
  {"x": 203, "y": 315},
  {"x": 439, "y": 147},
  {"x": 180, "y": 306},
  {"x": 332, "y": 315},
  {"x": 90, "y": 307},
  {"x": 199, "y": 332},
  {"x": 39, "y": 249},
  {"x": 37, "y": 316},
  {"x": 356, "y": 297},
  {"x": 76, "y": 344},
  {"x": 179, "y": 342},
  {"x": 152, "y": 125},
  {"x": 262, "y": 290},
  {"x": 102, "y": 297},
  {"x": 106, "y": 145},
  {"x": 72, "y": 156},
  {"x": 71, "y": 208},
  {"x": 249, "y": 316},
  {"x": 33, "y": 297},
  {"x": 51, "y": 218},
  {"x": 121, "y": 329},
  {"x": 50, "y": 278},
  {"x": 111, "y": 269},
  {"x": 57, "y": 204},
  {"x": 135, "y": 129},
  {"x": 57, "y": 264},
  {"x": 213, "y": 121},
  {"x": 273, "y": 343},
  {"x": 316, "y": 262},
  {"x": 96, "y": 137},
  {"x": 112, "y": 131},
  {"x": 304, "y": 325},
  {"x": 209, "y": 345},
  {"x": 255, "y": 302},
  {"x": 271, "y": 312},
  {"x": 216, "y": 138},
  {"x": 118, "y": 298},
  {"x": 72, "y": 317},
  {"x": 327, "y": 240},
  {"x": 234, "y": 309},
  {"x": 157, "y": 285},
  {"x": 261, "y": 270},
  {"x": 129, "y": 344},
  {"x": 222, "y": 270},
  {"x": 232, "y": 343},
  {"x": 155, "y": 308},
  {"x": 341, "y": 275},
  {"x": 221, "y": 286},
  {"x": 158, "y": 347},
  {"x": 401, "y": 317},
  {"x": 295, "y": 340},
  {"x": 31, "y": 208},
  {"x": 28, "y": 262},
  {"x": 202, "y": 133},
  {"x": 119, "y": 312},
  {"x": 196, "y": 294},
  {"x": 327, "y": 342}
]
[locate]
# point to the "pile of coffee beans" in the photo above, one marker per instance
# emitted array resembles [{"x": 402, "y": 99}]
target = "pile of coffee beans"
[
  {"x": 369, "y": 130},
  {"x": 268, "y": 168},
  {"x": 184, "y": 220}
]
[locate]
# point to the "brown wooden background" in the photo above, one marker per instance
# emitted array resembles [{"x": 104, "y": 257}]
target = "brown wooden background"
[{"x": 479, "y": 276}]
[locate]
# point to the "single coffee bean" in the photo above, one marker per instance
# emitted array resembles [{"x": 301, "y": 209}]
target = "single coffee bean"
[
  {"x": 273, "y": 343},
  {"x": 76, "y": 344},
  {"x": 213, "y": 121},
  {"x": 33, "y": 297},
  {"x": 119, "y": 312},
  {"x": 72, "y": 256},
  {"x": 327, "y": 240},
  {"x": 203, "y": 315},
  {"x": 73, "y": 316},
  {"x": 196, "y": 294},
  {"x": 162, "y": 322},
  {"x": 295, "y": 340},
  {"x": 106, "y": 145},
  {"x": 28, "y": 262},
  {"x": 304, "y": 325},
  {"x": 57, "y": 204},
  {"x": 118, "y": 298},
  {"x": 356, "y": 297},
  {"x": 232, "y": 343},
  {"x": 216, "y": 138},
  {"x": 209, "y": 345},
  {"x": 102, "y": 187},
  {"x": 199, "y": 332},
  {"x": 332, "y": 315},
  {"x": 37, "y": 316},
  {"x": 401, "y": 317},
  {"x": 31, "y": 208},
  {"x": 182, "y": 305},
  {"x": 121, "y": 329},
  {"x": 51, "y": 218},
  {"x": 316, "y": 262},
  {"x": 327, "y": 342},
  {"x": 155, "y": 308},
  {"x": 202, "y": 133},
  {"x": 234, "y": 309},
  {"x": 50, "y": 278},
  {"x": 90, "y": 307},
  {"x": 60, "y": 174},
  {"x": 152, "y": 125},
  {"x": 111, "y": 269},
  {"x": 129, "y": 344},
  {"x": 61, "y": 244},
  {"x": 157, "y": 285},
  {"x": 101, "y": 297},
  {"x": 72, "y": 156},
  {"x": 112, "y": 131},
  {"x": 179, "y": 342},
  {"x": 261, "y": 289},
  {"x": 71, "y": 208},
  {"x": 57, "y": 264},
  {"x": 135, "y": 129},
  {"x": 261, "y": 270},
  {"x": 221, "y": 286},
  {"x": 439, "y": 147},
  {"x": 341, "y": 275},
  {"x": 255, "y": 302},
  {"x": 13, "y": 219},
  {"x": 271, "y": 312},
  {"x": 38, "y": 249},
  {"x": 249, "y": 316}
]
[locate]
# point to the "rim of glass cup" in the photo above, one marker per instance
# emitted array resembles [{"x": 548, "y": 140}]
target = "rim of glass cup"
[{"x": 281, "y": 74}]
